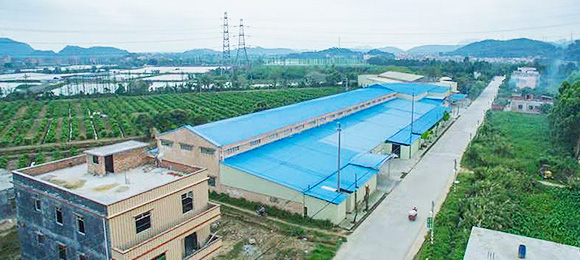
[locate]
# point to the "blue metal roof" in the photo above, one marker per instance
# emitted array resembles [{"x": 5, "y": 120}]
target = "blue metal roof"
[
  {"x": 412, "y": 88},
  {"x": 428, "y": 120},
  {"x": 434, "y": 101},
  {"x": 244, "y": 127},
  {"x": 307, "y": 161},
  {"x": 455, "y": 97},
  {"x": 404, "y": 137}
]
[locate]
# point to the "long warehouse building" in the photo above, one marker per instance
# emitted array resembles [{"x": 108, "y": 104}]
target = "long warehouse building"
[{"x": 287, "y": 156}]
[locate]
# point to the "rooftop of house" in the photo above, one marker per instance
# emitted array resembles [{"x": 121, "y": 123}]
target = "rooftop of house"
[
  {"x": 485, "y": 242},
  {"x": 116, "y": 148},
  {"x": 111, "y": 187}
]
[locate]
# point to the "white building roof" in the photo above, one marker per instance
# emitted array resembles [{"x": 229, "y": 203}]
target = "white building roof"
[
  {"x": 111, "y": 187},
  {"x": 116, "y": 148},
  {"x": 407, "y": 77},
  {"x": 484, "y": 243}
]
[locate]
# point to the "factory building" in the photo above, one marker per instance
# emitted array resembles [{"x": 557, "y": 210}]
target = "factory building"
[
  {"x": 287, "y": 157},
  {"x": 115, "y": 202},
  {"x": 366, "y": 80}
]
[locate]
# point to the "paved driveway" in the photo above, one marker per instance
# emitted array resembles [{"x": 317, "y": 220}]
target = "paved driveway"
[{"x": 386, "y": 233}]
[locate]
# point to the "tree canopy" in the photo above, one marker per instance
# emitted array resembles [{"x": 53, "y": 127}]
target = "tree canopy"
[{"x": 565, "y": 116}]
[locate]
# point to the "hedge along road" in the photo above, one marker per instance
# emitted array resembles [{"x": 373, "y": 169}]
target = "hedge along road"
[{"x": 387, "y": 233}]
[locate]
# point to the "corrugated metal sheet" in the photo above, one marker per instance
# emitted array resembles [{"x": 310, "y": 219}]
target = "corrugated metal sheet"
[
  {"x": 414, "y": 88},
  {"x": 307, "y": 162},
  {"x": 241, "y": 128}
]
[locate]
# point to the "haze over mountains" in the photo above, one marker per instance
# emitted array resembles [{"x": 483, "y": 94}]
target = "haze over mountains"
[{"x": 487, "y": 48}]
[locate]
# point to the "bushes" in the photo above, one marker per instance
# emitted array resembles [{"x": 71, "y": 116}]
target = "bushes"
[{"x": 502, "y": 192}]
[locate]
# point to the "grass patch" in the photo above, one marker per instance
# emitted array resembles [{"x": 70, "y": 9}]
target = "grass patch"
[
  {"x": 324, "y": 252},
  {"x": 502, "y": 192}
]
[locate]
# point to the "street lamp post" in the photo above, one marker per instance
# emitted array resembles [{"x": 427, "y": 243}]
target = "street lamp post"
[{"x": 339, "y": 129}]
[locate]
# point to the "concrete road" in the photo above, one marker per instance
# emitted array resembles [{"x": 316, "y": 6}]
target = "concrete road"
[{"x": 387, "y": 233}]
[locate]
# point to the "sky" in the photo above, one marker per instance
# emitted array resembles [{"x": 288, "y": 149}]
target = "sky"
[{"x": 180, "y": 25}]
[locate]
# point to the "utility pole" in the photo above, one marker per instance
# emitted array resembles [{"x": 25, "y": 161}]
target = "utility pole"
[
  {"x": 355, "y": 196},
  {"x": 432, "y": 220},
  {"x": 242, "y": 43},
  {"x": 339, "y": 129},
  {"x": 226, "y": 42},
  {"x": 412, "y": 119}
]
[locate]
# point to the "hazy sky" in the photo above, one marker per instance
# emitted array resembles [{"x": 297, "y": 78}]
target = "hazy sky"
[{"x": 171, "y": 25}]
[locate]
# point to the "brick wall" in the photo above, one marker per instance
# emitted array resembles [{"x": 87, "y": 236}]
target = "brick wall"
[
  {"x": 130, "y": 159},
  {"x": 175, "y": 166},
  {"x": 96, "y": 168},
  {"x": 53, "y": 166}
]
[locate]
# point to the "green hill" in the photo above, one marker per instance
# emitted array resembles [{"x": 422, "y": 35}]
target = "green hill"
[
  {"x": 14, "y": 48},
  {"x": 516, "y": 48},
  {"x": 432, "y": 49},
  {"x": 92, "y": 51},
  {"x": 328, "y": 53}
]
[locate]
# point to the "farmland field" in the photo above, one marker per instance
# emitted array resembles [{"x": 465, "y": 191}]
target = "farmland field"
[{"x": 35, "y": 122}]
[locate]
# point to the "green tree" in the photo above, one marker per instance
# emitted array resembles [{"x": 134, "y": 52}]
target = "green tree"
[
  {"x": 446, "y": 116},
  {"x": 565, "y": 116}
]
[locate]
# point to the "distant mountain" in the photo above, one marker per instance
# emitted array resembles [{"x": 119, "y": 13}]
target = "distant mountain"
[
  {"x": 14, "y": 48},
  {"x": 393, "y": 50},
  {"x": 572, "y": 53},
  {"x": 562, "y": 43},
  {"x": 362, "y": 48},
  {"x": 259, "y": 51},
  {"x": 432, "y": 49},
  {"x": 202, "y": 52},
  {"x": 256, "y": 51},
  {"x": 507, "y": 49},
  {"x": 377, "y": 52},
  {"x": 328, "y": 53},
  {"x": 91, "y": 51},
  {"x": 43, "y": 54}
]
